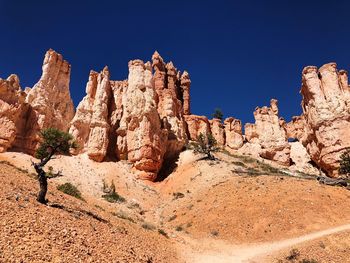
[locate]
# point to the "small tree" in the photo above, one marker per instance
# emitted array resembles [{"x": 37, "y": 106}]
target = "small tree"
[
  {"x": 206, "y": 145},
  {"x": 345, "y": 163},
  {"x": 53, "y": 142},
  {"x": 218, "y": 114}
]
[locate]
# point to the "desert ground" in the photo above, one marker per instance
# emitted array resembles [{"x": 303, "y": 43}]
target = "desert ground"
[{"x": 233, "y": 209}]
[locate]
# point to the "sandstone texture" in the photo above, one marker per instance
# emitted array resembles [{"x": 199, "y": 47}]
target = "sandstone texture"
[
  {"x": 47, "y": 104},
  {"x": 218, "y": 131},
  {"x": 147, "y": 120},
  {"x": 140, "y": 131},
  {"x": 233, "y": 132},
  {"x": 326, "y": 109},
  {"x": 197, "y": 125},
  {"x": 172, "y": 98},
  {"x": 12, "y": 108},
  {"x": 90, "y": 125},
  {"x": 301, "y": 160},
  {"x": 269, "y": 132}
]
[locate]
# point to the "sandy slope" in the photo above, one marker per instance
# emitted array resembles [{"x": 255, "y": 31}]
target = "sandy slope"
[
  {"x": 68, "y": 230},
  {"x": 220, "y": 252},
  {"x": 212, "y": 209}
]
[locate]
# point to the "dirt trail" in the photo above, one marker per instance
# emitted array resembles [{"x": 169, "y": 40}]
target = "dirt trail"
[{"x": 206, "y": 251}]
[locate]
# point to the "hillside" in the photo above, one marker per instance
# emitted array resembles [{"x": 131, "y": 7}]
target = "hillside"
[
  {"x": 204, "y": 207},
  {"x": 68, "y": 230}
]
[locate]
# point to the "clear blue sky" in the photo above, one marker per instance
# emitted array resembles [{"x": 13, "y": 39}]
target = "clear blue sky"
[{"x": 239, "y": 53}]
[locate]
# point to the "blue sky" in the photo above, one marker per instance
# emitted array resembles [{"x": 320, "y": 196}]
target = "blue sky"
[{"x": 239, "y": 54}]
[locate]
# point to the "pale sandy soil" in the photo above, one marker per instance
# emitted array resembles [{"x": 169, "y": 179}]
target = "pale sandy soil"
[{"x": 214, "y": 210}]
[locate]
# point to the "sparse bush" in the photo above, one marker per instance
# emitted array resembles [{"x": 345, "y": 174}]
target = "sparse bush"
[
  {"x": 111, "y": 195},
  {"x": 252, "y": 171},
  {"x": 214, "y": 233},
  {"x": 218, "y": 114},
  {"x": 53, "y": 141},
  {"x": 114, "y": 197},
  {"x": 238, "y": 163},
  {"x": 206, "y": 145},
  {"x": 293, "y": 254},
  {"x": 148, "y": 226},
  {"x": 308, "y": 261},
  {"x": 345, "y": 163},
  {"x": 162, "y": 232},
  {"x": 268, "y": 168},
  {"x": 123, "y": 215},
  {"x": 179, "y": 228},
  {"x": 173, "y": 217},
  {"x": 178, "y": 195},
  {"x": 70, "y": 189}
]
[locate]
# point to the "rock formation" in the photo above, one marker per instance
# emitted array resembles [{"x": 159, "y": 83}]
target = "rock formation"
[
  {"x": 12, "y": 109},
  {"x": 233, "y": 132},
  {"x": 197, "y": 125},
  {"x": 326, "y": 109},
  {"x": 140, "y": 130},
  {"x": 301, "y": 160},
  {"x": 90, "y": 125},
  {"x": 47, "y": 104},
  {"x": 217, "y": 130},
  {"x": 146, "y": 119},
  {"x": 268, "y": 132},
  {"x": 49, "y": 100},
  {"x": 171, "y": 91}
]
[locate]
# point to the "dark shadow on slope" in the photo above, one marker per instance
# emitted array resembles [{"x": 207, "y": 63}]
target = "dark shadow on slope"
[
  {"x": 168, "y": 167},
  {"x": 78, "y": 213}
]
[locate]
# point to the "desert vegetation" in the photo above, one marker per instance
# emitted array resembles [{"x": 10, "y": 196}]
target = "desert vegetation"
[{"x": 53, "y": 141}]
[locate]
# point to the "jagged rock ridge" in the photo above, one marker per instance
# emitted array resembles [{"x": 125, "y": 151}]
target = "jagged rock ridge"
[{"x": 146, "y": 119}]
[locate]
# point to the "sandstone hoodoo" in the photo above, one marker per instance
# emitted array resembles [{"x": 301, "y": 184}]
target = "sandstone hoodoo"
[
  {"x": 47, "y": 104},
  {"x": 233, "y": 132},
  {"x": 12, "y": 107},
  {"x": 269, "y": 133},
  {"x": 146, "y": 119},
  {"x": 90, "y": 125},
  {"x": 326, "y": 115}
]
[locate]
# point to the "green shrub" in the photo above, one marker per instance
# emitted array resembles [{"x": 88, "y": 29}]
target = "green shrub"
[
  {"x": 179, "y": 228},
  {"x": 111, "y": 195},
  {"x": 345, "y": 163},
  {"x": 70, "y": 189},
  {"x": 162, "y": 232},
  {"x": 148, "y": 226},
  {"x": 214, "y": 233},
  {"x": 114, "y": 197},
  {"x": 123, "y": 215},
  {"x": 293, "y": 254},
  {"x": 308, "y": 261}
]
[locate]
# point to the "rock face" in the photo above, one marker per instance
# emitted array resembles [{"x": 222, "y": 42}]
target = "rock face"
[
  {"x": 90, "y": 125},
  {"x": 218, "y": 131},
  {"x": 47, "y": 104},
  {"x": 49, "y": 100},
  {"x": 301, "y": 159},
  {"x": 12, "y": 109},
  {"x": 326, "y": 107},
  {"x": 197, "y": 125},
  {"x": 268, "y": 131},
  {"x": 146, "y": 119},
  {"x": 296, "y": 128},
  {"x": 172, "y": 92},
  {"x": 233, "y": 132},
  {"x": 140, "y": 130}
]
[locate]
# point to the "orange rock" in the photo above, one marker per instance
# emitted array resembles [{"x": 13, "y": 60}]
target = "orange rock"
[
  {"x": 217, "y": 130},
  {"x": 197, "y": 125},
  {"x": 326, "y": 100},
  {"x": 269, "y": 132},
  {"x": 233, "y": 131}
]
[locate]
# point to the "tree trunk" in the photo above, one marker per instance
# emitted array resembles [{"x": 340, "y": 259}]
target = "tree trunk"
[{"x": 42, "y": 183}]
